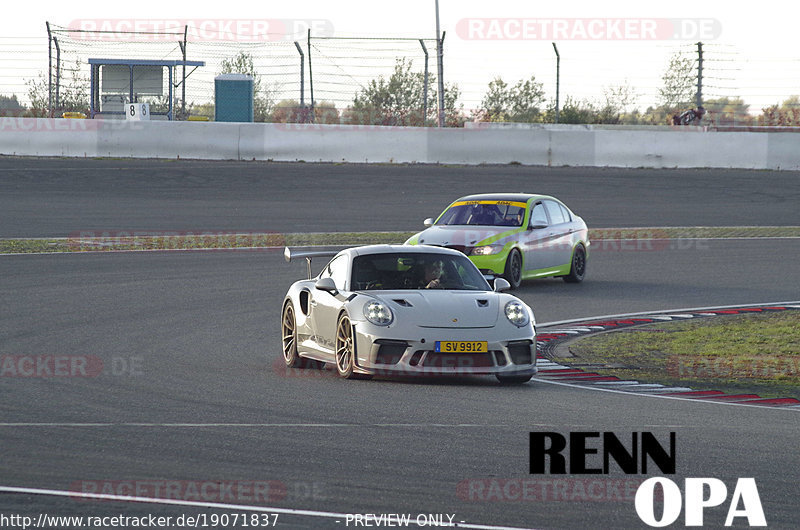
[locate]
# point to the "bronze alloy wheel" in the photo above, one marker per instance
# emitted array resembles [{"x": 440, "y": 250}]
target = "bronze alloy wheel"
[
  {"x": 344, "y": 347},
  {"x": 289, "y": 334},
  {"x": 345, "y": 352}
]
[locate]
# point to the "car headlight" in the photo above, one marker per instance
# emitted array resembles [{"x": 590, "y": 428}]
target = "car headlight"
[
  {"x": 486, "y": 250},
  {"x": 378, "y": 313},
  {"x": 517, "y": 314}
]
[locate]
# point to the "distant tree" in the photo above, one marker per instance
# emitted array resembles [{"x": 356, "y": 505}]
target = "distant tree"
[
  {"x": 72, "y": 92},
  {"x": 527, "y": 97},
  {"x": 521, "y": 103},
  {"x": 290, "y": 111},
  {"x": 200, "y": 109},
  {"x": 263, "y": 101},
  {"x": 74, "y": 95},
  {"x": 787, "y": 114},
  {"x": 454, "y": 115},
  {"x": 10, "y": 106},
  {"x": 679, "y": 84},
  {"x": 619, "y": 102},
  {"x": 659, "y": 115},
  {"x": 399, "y": 100},
  {"x": 38, "y": 96},
  {"x": 574, "y": 111},
  {"x": 727, "y": 111},
  {"x": 496, "y": 102},
  {"x": 326, "y": 112}
]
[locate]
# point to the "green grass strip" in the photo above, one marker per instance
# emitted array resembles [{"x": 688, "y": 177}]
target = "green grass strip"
[
  {"x": 755, "y": 353},
  {"x": 125, "y": 241}
]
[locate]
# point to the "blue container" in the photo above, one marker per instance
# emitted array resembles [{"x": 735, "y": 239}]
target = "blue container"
[{"x": 233, "y": 97}]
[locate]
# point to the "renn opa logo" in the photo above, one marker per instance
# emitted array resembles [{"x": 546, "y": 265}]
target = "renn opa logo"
[{"x": 584, "y": 456}]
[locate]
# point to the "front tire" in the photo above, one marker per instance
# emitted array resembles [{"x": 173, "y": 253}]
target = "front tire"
[
  {"x": 345, "y": 350},
  {"x": 577, "y": 270},
  {"x": 513, "y": 269}
]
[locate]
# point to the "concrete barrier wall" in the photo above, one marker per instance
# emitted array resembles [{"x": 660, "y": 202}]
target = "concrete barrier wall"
[{"x": 556, "y": 145}]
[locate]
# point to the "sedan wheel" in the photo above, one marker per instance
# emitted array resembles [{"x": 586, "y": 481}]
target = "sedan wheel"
[
  {"x": 577, "y": 270},
  {"x": 513, "y": 270}
]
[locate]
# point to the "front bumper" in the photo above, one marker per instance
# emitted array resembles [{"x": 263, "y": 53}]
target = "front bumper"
[
  {"x": 403, "y": 356},
  {"x": 493, "y": 263}
]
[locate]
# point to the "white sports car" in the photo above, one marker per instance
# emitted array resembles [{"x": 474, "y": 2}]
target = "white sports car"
[{"x": 402, "y": 310}]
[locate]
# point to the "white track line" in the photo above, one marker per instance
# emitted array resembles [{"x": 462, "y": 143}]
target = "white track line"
[
  {"x": 223, "y": 506},
  {"x": 662, "y": 312},
  {"x": 665, "y": 396},
  {"x": 179, "y": 425},
  {"x": 680, "y": 313}
]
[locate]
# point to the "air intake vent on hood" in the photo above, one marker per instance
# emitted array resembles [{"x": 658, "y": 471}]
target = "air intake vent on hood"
[
  {"x": 402, "y": 302},
  {"x": 483, "y": 303}
]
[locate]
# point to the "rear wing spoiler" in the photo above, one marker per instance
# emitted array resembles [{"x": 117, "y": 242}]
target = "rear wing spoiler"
[{"x": 290, "y": 255}]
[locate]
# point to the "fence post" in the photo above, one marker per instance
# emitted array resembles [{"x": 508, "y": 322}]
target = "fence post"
[
  {"x": 310, "y": 77},
  {"x": 49, "y": 71},
  {"x": 302, "y": 78},
  {"x": 183, "y": 81},
  {"x": 425, "y": 89},
  {"x": 58, "y": 73},
  {"x": 699, "y": 97},
  {"x": 440, "y": 68},
  {"x": 558, "y": 77}
]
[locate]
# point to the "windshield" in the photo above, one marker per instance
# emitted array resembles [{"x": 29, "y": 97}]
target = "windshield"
[
  {"x": 484, "y": 213},
  {"x": 416, "y": 270}
]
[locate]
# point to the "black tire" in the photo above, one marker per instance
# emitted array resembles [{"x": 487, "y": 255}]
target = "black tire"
[
  {"x": 516, "y": 379},
  {"x": 289, "y": 338},
  {"x": 345, "y": 352},
  {"x": 577, "y": 269},
  {"x": 513, "y": 269}
]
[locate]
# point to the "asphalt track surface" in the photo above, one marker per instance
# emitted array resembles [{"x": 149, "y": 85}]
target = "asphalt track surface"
[
  {"x": 59, "y": 197},
  {"x": 191, "y": 389}
]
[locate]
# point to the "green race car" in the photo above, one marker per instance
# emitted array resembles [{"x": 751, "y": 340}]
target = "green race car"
[{"x": 518, "y": 236}]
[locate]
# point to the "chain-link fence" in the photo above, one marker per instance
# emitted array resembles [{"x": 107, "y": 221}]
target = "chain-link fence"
[{"x": 312, "y": 75}]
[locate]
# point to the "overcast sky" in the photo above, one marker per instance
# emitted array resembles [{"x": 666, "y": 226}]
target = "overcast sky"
[{"x": 752, "y": 49}]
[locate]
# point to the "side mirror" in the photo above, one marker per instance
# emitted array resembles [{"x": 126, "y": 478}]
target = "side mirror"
[
  {"x": 327, "y": 285},
  {"x": 537, "y": 227},
  {"x": 428, "y": 222},
  {"x": 501, "y": 284}
]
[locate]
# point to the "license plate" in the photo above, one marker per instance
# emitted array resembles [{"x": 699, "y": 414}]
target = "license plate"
[{"x": 462, "y": 346}]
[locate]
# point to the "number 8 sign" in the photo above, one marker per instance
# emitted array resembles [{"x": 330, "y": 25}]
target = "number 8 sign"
[{"x": 138, "y": 111}]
